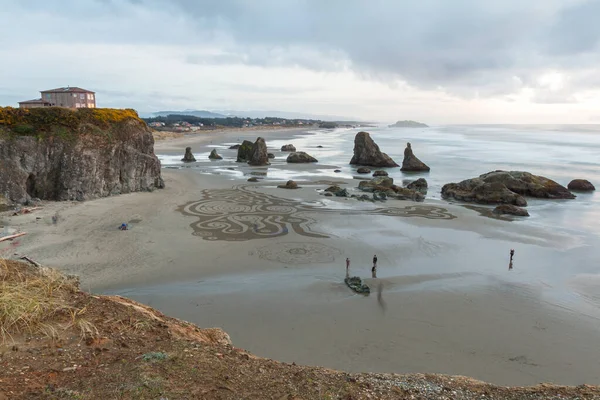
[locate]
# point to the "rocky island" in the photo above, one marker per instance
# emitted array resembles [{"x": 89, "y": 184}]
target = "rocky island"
[
  {"x": 55, "y": 153},
  {"x": 408, "y": 124}
]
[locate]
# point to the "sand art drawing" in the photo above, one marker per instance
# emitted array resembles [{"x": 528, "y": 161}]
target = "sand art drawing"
[
  {"x": 299, "y": 253},
  {"x": 240, "y": 214}
]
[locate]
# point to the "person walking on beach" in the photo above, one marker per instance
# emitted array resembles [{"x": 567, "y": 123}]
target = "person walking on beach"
[
  {"x": 347, "y": 266},
  {"x": 510, "y": 264}
]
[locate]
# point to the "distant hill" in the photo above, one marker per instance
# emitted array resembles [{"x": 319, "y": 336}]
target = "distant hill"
[
  {"x": 408, "y": 124},
  {"x": 194, "y": 113}
]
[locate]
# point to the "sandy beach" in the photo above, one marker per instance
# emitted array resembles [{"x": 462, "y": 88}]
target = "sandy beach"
[{"x": 267, "y": 266}]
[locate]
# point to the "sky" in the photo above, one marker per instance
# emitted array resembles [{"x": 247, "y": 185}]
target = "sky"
[{"x": 436, "y": 61}]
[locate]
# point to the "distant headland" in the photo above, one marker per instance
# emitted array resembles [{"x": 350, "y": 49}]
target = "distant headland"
[{"x": 408, "y": 124}]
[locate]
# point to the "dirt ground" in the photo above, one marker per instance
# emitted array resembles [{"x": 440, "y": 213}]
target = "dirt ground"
[{"x": 110, "y": 347}]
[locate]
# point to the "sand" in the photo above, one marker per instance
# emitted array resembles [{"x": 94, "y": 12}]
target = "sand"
[{"x": 267, "y": 265}]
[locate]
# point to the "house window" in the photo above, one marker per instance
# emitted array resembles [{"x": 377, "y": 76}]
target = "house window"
[
  {"x": 48, "y": 96},
  {"x": 90, "y": 96},
  {"x": 91, "y": 105},
  {"x": 74, "y": 94},
  {"x": 77, "y": 105},
  {"x": 82, "y": 96}
]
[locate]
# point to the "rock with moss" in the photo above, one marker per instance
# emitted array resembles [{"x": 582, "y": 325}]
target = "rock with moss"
[
  {"x": 78, "y": 154},
  {"x": 288, "y": 147},
  {"x": 356, "y": 285},
  {"x": 419, "y": 185},
  {"x": 581, "y": 185},
  {"x": 188, "y": 156},
  {"x": 259, "y": 155},
  {"x": 377, "y": 182},
  {"x": 300, "y": 157},
  {"x": 245, "y": 151}
]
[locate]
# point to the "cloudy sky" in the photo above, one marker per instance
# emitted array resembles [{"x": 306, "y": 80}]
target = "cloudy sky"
[{"x": 439, "y": 61}]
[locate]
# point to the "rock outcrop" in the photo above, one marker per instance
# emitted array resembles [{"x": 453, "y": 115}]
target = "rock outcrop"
[
  {"x": 245, "y": 151},
  {"x": 253, "y": 179},
  {"x": 289, "y": 185},
  {"x": 363, "y": 170},
  {"x": 408, "y": 124},
  {"x": 188, "y": 156},
  {"x": 380, "y": 173},
  {"x": 505, "y": 187},
  {"x": 419, "y": 185},
  {"x": 581, "y": 185},
  {"x": 300, "y": 157},
  {"x": 234, "y": 147},
  {"x": 56, "y": 153},
  {"x": 270, "y": 155},
  {"x": 288, "y": 147},
  {"x": 259, "y": 155},
  {"x": 375, "y": 183},
  {"x": 511, "y": 210},
  {"x": 411, "y": 163},
  {"x": 400, "y": 193},
  {"x": 214, "y": 156},
  {"x": 366, "y": 152}
]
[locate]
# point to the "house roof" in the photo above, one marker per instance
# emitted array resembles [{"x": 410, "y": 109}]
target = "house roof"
[
  {"x": 68, "y": 89},
  {"x": 33, "y": 101}
]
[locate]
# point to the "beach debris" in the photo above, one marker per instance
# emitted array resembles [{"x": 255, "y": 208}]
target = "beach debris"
[
  {"x": 355, "y": 283},
  {"x": 420, "y": 185},
  {"x": 288, "y": 147},
  {"x": 300, "y": 157},
  {"x": 289, "y": 185},
  {"x": 11, "y": 237},
  {"x": 411, "y": 163},
  {"x": 258, "y": 155},
  {"x": 581, "y": 185},
  {"x": 214, "y": 156},
  {"x": 188, "y": 156},
  {"x": 123, "y": 227},
  {"x": 511, "y": 209},
  {"x": 366, "y": 152},
  {"x": 29, "y": 260},
  {"x": 380, "y": 172},
  {"x": 505, "y": 187}
]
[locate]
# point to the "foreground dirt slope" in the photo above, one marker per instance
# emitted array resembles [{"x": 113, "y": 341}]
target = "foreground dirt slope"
[{"x": 108, "y": 347}]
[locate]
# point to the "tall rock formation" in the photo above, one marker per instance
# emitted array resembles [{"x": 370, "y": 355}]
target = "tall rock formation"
[
  {"x": 245, "y": 151},
  {"x": 411, "y": 163},
  {"x": 61, "y": 154},
  {"x": 259, "y": 155},
  {"x": 188, "y": 156},
  {"x": 366, "y": 152}
]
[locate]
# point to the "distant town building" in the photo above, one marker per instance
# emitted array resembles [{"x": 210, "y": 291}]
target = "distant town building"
[{"x": 69, "y": 97}]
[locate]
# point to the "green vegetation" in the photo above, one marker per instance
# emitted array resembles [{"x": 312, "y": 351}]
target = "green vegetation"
[
  {"x": 328, "y": 125},
  {"x": 61, "y": 122},
  {"x": 154, "y": 356},
  {"x": 231, "y": 122}
]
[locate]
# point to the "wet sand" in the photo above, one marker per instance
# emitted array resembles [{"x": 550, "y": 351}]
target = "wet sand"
[{"x": 267, "y": 265}]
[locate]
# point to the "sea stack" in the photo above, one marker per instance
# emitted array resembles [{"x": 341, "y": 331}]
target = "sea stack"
[
  {"x": 214, "y": 156},
  {"x": 411, "y": 163},
  {"x": 245, "y": 151},
  {"x": 188, "y": 156},
  {"x": 259, "y": 155},
  {"x": 366, "y": 152}
]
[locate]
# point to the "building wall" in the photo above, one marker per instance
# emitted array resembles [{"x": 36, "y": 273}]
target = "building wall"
[
  {"x": 70, "y": 99},
  {"x": 31, "y": 105}
]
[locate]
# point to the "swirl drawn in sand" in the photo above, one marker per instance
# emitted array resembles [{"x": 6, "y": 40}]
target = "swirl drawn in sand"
[
  {"x": 299, "y": 253},
  {"x": 240, "y": 214}
]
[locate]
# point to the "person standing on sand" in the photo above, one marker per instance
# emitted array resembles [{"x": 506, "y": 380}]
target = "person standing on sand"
[
  {"x": 347, "y": 266},
  {"x": 375, "y": 262}
]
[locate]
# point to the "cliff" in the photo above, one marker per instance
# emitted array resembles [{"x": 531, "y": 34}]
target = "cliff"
[
  {"x": 57, "y": 342},
  {"x": 61, "y": 154}
]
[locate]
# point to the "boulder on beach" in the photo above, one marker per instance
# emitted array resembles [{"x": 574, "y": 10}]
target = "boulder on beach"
[
  {"x": 378, "y": 182},
  {"x": 333, "y": 189},
  {"x": 420, "y": 185},
  {"x": 581, "y": 185},
  {"x": 253, "y": 179},
  {"x": 505, "y": 187},
  {"x": 511, "y": 209},
  {"x": 363, "y": 170},
  {"x": 214, "y": 156},
  {"x": 234, "y": 147},
  {"x": 300, "y": 157},
  {"x": 411, "y": 163},
  {"x": 337, "y": 170},
  {"x": 289, "y": 185},
  {"x": 259, "y": 155},
  {"x": 366, "y": 152},
  {"x": 400, "y": 193},
  {"x": 188, "y": 156},
  {"x": 380, "y": 173},
  {"x": 288, "y": 147},
  {"x": 245, "y": 151},
  {"x": 270, "y": 155}
]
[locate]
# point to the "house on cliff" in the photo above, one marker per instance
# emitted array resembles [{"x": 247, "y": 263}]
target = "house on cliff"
[{"x": 69, "y": 97}]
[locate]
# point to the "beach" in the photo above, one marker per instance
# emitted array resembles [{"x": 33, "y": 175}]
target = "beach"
[{"x": 267, "y": 264}]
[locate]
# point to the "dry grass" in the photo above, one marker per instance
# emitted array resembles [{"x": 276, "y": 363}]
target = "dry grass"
[{"x": 30, "y": 296}]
